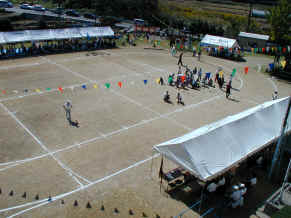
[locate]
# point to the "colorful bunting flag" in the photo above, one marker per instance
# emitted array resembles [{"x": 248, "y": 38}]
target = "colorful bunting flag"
[
  {"x": 37, "y": 90},
  {"x": 246, "y": 70},
  {"x": 60, "y": 89},
  {"x": 48, "y": 89},
  {"x": 107, "y": 85},
  {"x": 271, "y": 66},
  {"x": 120, "y": 84},
  {"x": 220, "y": 73},
  {"x": 4, "y": 92},
  {"x": 84, "y": 86},
  {"x": 284, "y": 50},
  {"x": 283, "y": 63},
  {"x": 183, "y": 78},
  {"x": 233, "y": 72},
  {"x": 145, "y": 81},
  {"x": 95, "y": 86}
]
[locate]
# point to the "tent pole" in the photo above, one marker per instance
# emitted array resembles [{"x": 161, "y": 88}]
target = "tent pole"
[
  {"x": 201, "y": 199},
  {"x": 277, "y": 151}
]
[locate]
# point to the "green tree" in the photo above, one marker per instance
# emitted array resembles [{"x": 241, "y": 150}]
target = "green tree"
[{"x": 279, "y": 19}]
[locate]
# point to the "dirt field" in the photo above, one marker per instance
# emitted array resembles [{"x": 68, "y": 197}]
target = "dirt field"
[{"x": 109, "y": 160}]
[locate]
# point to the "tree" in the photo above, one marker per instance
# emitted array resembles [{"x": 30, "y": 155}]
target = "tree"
[{"x": 280, "y": 21}]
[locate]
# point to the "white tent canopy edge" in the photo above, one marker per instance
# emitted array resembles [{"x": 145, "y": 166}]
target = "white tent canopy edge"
[
  {"x": 212, "y": 149},
  {"x": 54, "y": 34}
]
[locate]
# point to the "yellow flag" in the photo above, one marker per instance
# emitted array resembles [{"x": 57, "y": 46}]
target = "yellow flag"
[
  {"x": 158, "y": 80},
  {"x": 95, "y": 86},
  {"x": 220, "y": 73},
  {"x": 283, "y": 63},
  {"x": 37, "y": 90}
]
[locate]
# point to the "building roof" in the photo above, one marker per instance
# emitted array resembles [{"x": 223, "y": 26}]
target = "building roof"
[
  {"x": 217, "y": 41},
  {"x": 254, "y": 36}
]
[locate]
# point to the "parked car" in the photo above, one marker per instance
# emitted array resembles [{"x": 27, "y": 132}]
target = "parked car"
[
  {"x": 6, "y": 4},
  {"x": 59, "y": 11},
  {"x": 26, "y": 6},
  {"x": 38, "y": 8},
  {"x": 89, "y": 16},
  {"x": 72, "y": 13}
]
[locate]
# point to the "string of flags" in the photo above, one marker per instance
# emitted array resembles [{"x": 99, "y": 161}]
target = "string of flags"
[{"x": 120, "y": 84}]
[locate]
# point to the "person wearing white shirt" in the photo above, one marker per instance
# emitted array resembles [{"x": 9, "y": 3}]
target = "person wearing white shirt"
[
  {"x": 212, "y": 187},
  {"x": 221, "y": 182}
]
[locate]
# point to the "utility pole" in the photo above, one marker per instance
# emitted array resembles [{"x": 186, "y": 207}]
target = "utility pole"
[{"x": 250, "y": 15}]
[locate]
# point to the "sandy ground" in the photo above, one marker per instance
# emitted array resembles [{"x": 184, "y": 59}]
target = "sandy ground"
[{"x": 108, "y": 160}]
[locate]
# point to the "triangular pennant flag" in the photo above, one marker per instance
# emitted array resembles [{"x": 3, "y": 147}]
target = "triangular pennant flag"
[
  {"x": 4, "y": 92},
  {"x": 120, "y": 84},
  {"x": 107, "y": 85},
  {"x": 60, "y": 89},
  {"x": 271, "y": 66},
  {"x": 246, "y": 70},
  {"x": 48, "y": 89},
  {"x": 145, "y": 81},
  {"x": 233, "y": 72},
  {"x": 284, "y": 50},
  {"x": 158, "y": 80},
  {"x": 84, "y": 86},
  {"x": 220, "y": 73},
  {"x": 283, "y": 63},
  {"x": 95, "y": 86},
  {"x": 183, "y": 78}
]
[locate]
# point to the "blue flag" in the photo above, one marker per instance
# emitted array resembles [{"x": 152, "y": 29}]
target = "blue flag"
[
  {"x": 271, "y": 66},
  {"x": 84, "y": 86},
  {"x": 145, "y": 81},
  {"x": 88, "y": 37}
]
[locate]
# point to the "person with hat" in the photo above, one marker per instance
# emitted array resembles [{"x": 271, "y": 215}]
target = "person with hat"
[{"x": 275, "y": 95}]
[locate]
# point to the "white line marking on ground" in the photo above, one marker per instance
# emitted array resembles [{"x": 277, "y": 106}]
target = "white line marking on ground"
[
  {"x": 57, "y": 197},
  {"x": 80, "y": 144},
  {"x": 67, "y": 169},
  {"x": 21, "y": 65},
  {"x": 273, "y": 84}
]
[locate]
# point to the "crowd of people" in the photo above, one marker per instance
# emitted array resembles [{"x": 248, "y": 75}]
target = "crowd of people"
[
  {"x": 51, "y": 47},
  {"x": 194, "y": 79}
]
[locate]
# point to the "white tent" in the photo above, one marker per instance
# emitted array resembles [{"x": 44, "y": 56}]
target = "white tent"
[
  {"x": 54, "y": 34},
  {"x": 218, "y": 41},
  {"x": 215, "y": 148}
]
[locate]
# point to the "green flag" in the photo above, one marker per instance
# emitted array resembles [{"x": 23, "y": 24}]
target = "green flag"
[
  {"x": 48, "y": 89},
  {"x": 107, "y": 85},
  {"x": 233, "y": 72}
]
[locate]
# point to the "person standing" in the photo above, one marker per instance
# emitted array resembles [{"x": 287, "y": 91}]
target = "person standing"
[
  {"x": 180, "y": 59},
  {"x": 227, "y": 90},
  {"x": 275, "y": 95},
  {"x": 68, "y": 107}
]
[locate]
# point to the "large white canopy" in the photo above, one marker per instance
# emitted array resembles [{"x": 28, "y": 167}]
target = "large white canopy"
[
  {"x": 54, "y": 34},
  {"x": 215, "y": 148},
  {"x": 218, "y": 41}
]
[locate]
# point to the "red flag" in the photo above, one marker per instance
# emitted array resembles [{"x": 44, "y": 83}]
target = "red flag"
[
  {"x": 183, "y": 78},
  {"x": 284, "y": 50},
  {"x": 60, "y": 89},
  {"x": 120, "y": 84},
  {"x": 246, "y": 70},
  {"x": 4, "y": 92},
  {"x": 263, "y": 49}
]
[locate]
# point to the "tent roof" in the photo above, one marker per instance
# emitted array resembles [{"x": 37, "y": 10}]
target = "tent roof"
[
  {"x": 254, "y": 36},
  {"x": 214, "y": 148},
  {"x": 54, "y": 34},
  {"x": 209, "y": 40}
]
